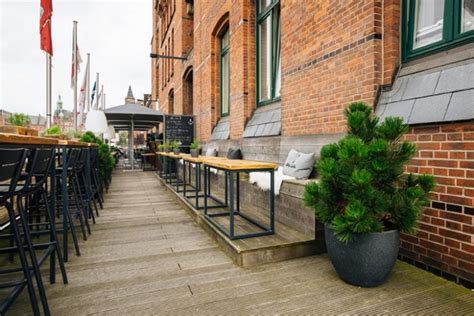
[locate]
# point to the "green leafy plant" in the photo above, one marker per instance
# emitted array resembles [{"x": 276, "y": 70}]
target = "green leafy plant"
[
  {"x": 19, "y": 119},
  {"x": 166, "y": 146},
  {"x": 175, "y": 144},
  {"x": 195, "y": 144},
  {"x": 89, "y": 137},
  {"x": 362, "y": 186},
  {"x": 123, "y": 136},
  {"x": 106, "y": 159},
  {"x": 71, "y": 133},
  {"x": 53, "y": 130}
]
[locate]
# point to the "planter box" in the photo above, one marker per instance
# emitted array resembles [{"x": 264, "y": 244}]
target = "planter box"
[
  {"x": 61, "y": 137},
  {"x": 18, "y": 130}
]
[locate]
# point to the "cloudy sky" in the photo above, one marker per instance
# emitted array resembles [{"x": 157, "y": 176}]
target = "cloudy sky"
[{"x": 116, "y": 33}]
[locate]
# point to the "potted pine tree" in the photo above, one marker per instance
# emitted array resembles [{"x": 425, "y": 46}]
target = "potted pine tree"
[{"x": 365, "y": 198}]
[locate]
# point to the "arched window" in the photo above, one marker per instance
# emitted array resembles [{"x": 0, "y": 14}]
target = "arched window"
[
  {"x": 224, "y": 76},
  {"x": 268, "y": 51},
  {"x": 171, "y": 102},
  {"x": 188, "y": 92}
]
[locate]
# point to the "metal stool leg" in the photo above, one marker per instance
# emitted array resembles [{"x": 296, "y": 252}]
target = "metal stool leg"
[{"x": 34, "y": 260}]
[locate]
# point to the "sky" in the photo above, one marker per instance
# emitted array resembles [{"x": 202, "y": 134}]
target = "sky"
[{"x": 116, "y": 33}]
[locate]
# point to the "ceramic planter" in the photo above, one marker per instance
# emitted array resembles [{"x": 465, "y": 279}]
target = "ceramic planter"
[
  {"x": 365, "y": 261},
  {"x": 195, "y": 152}
]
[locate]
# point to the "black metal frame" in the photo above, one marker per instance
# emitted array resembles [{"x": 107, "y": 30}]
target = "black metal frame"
[
  {"x": 197, "y": 188},
  {"x": 233, "y": 211}
]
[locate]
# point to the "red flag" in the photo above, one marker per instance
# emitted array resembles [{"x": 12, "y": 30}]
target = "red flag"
[{"x": 45, "y": 26}]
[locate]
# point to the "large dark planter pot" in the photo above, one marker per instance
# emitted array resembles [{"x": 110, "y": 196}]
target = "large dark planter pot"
[
  {"x": 195, "y": 153},
  {"x": 365, "y": 261}
]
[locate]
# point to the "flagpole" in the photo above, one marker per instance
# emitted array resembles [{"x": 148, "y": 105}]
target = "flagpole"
[
  {"x": 88, "y": 82},
  {"x": 97, "y": 92},
  {"x": 48, "y": 90},
  {"x": 74, "y": 58},
  {"x": 104, "y": 102},
  {"x": 102, "y": 97}
]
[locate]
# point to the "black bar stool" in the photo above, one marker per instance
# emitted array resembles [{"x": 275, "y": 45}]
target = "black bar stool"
[
  {"x": 96, "y": 183},
  {"x": 11, "y": 164},
  {"x": 72, "y": 201}
]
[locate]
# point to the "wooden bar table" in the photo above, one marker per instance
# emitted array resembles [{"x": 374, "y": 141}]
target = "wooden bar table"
[
  {"x": 165, "y": 172},
  {"x": 176, "y": 182},
  {"x": 197, "y": 162},
  {"x": 233, "y": 167},
  {"x": 23, "y": 141}
]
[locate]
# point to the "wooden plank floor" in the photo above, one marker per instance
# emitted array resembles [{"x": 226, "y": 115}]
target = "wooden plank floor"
[{"x": 146, "y": 256}]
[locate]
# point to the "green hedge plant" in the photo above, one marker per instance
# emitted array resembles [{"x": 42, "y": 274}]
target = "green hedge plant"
[
  {"x": 106, "y": 159},
  {"x": 19, "y": 119},
  {"x": 195, "y": 144},
  {"x": 362, "y": 185}
]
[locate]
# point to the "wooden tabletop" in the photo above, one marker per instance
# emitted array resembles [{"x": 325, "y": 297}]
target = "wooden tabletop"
[
  {"x": 236, "y": 164},
  {"x": 200, "y": 159},
  {"x": 16, "y": 139}
]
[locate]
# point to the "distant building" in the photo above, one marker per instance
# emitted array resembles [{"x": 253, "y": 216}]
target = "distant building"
[
  {"x": 62, "y": 117},
  {"x": 38, "y": 122},
  {"x": 4, "y": 116},
  {"x": 130, "y": 98}
]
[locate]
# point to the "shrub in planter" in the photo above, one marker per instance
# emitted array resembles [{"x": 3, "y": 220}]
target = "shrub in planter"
[
  {"x": 106, "y": 159},
  {"x": 195, "y": 148},
  {"x": 19, "y": 119},
  {"x": 175, "y": 146},
  {"x": 364, "y": 198},
  {"x": 166, "y": 147}
]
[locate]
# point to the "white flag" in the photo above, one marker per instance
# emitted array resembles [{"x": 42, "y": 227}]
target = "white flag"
[
  {"x": 99, "y": 98},
  {"x": 79, "y": 61},
  {"x": 82, "y": 97}
]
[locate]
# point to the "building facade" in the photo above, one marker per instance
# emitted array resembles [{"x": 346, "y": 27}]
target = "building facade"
[{"x": 269, "y": 75}]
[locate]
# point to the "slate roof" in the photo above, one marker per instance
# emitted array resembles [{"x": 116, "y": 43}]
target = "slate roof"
[
  {"x": 431, "y": 96},
  {"x": 130, "y": 93},
  {"x": 264, "y": 123},
  {"x": 38, "y": 119},
  {"x": 222, "y": 130}
]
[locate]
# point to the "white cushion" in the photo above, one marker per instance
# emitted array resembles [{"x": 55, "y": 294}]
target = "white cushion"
[
  {"x": 298, "y": 165},
  {"x": 211, "y": 152}
]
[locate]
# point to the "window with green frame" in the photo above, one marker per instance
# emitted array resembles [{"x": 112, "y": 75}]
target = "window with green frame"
[
  {"x": 268, "y": 51},
  {"x": 225, "y": 72},
  {"x": 433, "y": 25}
]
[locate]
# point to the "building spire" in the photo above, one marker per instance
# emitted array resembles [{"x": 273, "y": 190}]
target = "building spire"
[{"x": 129, "y": 98}]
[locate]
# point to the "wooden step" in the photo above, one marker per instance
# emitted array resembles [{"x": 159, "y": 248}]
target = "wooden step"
[{"x": 287, "y": 243}]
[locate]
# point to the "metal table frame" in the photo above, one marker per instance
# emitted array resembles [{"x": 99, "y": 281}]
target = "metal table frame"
[
  {"x": 234, "y": 210},
  {"x": 197, "y": 187}
]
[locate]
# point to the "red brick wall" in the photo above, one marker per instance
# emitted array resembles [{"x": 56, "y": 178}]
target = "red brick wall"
[
  {"x": 445, "y": 238},
  {"x": 209, "y": 16},
  {"x": 173, "y": 37},
  {"x": 327, "y": 61},
  {"x": 331, "y": 55},
  {"x": 391, "y": 39}
]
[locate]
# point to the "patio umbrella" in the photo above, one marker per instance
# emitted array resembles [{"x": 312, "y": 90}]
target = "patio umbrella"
[{"x": 133, "y": 117}]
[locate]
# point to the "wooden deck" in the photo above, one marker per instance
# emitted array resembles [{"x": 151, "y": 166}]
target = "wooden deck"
[{"x": 146, "y": 256}]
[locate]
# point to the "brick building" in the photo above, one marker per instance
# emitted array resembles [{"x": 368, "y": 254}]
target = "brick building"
[{"x": 269, "y": 75}]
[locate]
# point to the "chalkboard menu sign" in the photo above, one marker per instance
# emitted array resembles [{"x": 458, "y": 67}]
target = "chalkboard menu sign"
[{"x": 180, "y": 127}]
